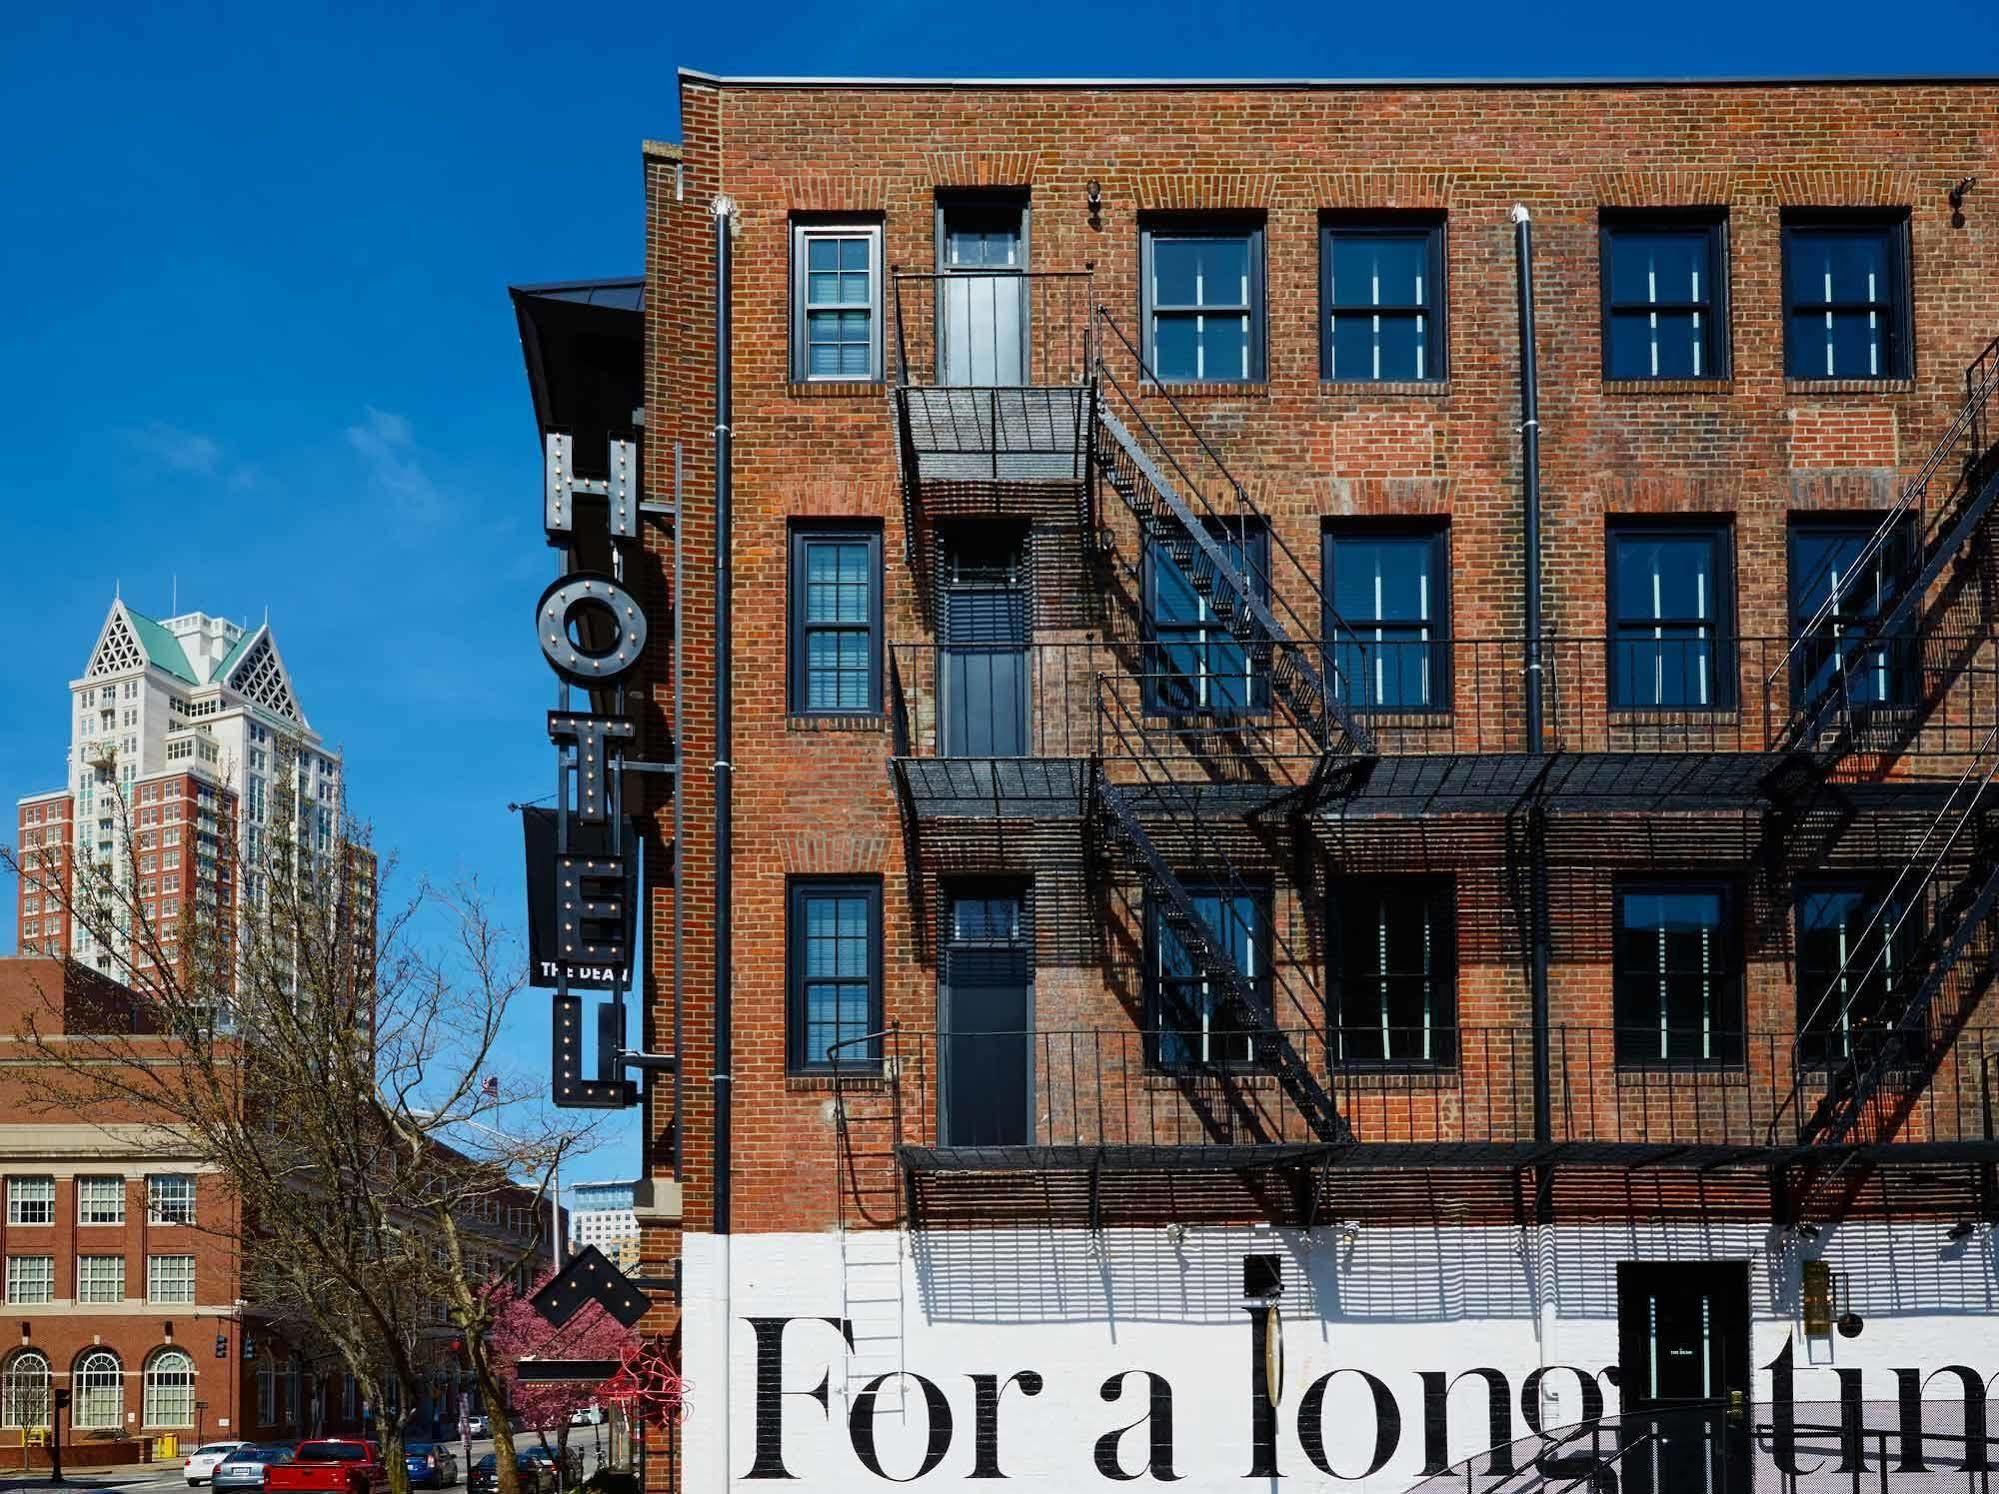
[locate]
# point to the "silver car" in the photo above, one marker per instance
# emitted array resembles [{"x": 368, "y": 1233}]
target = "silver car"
[{"x": 244, "y": 1468}]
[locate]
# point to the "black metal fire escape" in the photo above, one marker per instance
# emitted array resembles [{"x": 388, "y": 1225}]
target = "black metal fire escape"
[{"x": 1928, "y": 949}]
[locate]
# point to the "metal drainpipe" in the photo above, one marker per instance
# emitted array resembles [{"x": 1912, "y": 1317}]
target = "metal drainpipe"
[
  {"x": 723, "y": 210},
  {"x": 1530, "y": 468}
]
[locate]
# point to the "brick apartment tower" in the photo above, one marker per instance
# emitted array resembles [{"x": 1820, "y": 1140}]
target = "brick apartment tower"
[{"x": 1163, "y": 928}]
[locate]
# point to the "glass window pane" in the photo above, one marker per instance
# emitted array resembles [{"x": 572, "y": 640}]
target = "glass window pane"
[
  {"x": 1176, "y": 272},
  {"x": 1651, "y": 266},
  {"x": 1839, "y": 265},
  {"x": 1175, "y": 347},
  {"x": 1372, "y": 269},
  {"x": 822, "y": 254},
  {"x": 1666, "y": 576},
  {"x": 1225, "y": 347},
  {"x": 1402, "y": 348}
]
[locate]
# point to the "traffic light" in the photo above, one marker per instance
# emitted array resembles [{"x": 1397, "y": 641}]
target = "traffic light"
[{"x": 221, "y": 1346}]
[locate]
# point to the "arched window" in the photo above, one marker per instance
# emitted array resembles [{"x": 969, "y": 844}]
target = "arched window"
[
  {"x": 24, "y": 1390},
  {"x": 170, "y": 1389},
  {"x": 97, "y": 1400}
]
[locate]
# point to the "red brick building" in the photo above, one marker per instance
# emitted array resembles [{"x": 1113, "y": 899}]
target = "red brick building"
[{"x": 1207, "y": 817}]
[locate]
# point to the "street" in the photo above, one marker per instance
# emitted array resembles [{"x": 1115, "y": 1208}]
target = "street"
[{"x": 167, "y": 1476}]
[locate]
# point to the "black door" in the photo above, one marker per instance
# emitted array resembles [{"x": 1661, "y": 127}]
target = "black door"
[
  {"x": 985, "y": 1016},
  {"x": 983, "y": 627},
  {"x": 1683, "y": 1362}
]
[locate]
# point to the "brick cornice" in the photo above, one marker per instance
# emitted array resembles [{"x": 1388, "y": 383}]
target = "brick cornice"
[
  {"x": 1850, "y": 186},
  {"x": 1620, "y": 493},
  {"x": 1381, "y": 189},
  {"x": 1162, "y": 191},
  {"x": 1623, "y": 188},
  {"x": 981, "y": 168},
  {"x": 837, "y": 192},
  {"x": 813, "y": 852},
  {"x": 837, "y": 497}
]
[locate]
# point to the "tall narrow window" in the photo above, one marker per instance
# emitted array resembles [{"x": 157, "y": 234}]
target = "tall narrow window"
[
  {"x": 1194, "y": 1013},
  {"x": 1670, "y": 616},
  {"x": 1846, "y": 294},
  {"x": 1194, "y": 664},
  {"x": 1397, "y": 971},
  {"x": 836, "y": 301},
  {"x": 1837, "y": 584},
  {"x": 98, "y": 1391},
  {"x": 1665, "y": 297},
  {"x": 836, "y": 621},
  {"x": 1202, "y": 284},
  {"x": 1389, "y": 591},
  {"x": 24, "y": 1390},
  {"x": 982, "y": 330},
  {"x": 833, "y": 936},
  {"x": 1678, "y": 976},
  {"x": 1851, "y": 944},
  {"x": 1381, "y": 283},
  {"x": 169, "y": 1390}
]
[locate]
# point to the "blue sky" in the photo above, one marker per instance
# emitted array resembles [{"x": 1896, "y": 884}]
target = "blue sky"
[{"x": 257, "y": 334}]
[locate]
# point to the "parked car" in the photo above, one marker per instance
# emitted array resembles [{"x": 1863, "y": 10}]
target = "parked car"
[
  {"x": 432, "y": 1465},
  {"x": 478, "y": 1425},
  {"x": 532, "y": 1474},
  {"x": 244, "y": 1468},
  {"x": 330, "y": 1465},
  {"x": 199, "y": 1465},
  {"x": 546, "y": 1457},
  {"x": 587, "y": 1416}
]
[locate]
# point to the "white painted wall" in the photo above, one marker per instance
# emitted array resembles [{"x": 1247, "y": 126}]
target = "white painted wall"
[{"x": 1393, "y": 1302}]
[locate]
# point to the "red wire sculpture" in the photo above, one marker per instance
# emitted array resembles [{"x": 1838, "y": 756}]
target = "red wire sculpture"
[{"x": 648, "y": 1386}]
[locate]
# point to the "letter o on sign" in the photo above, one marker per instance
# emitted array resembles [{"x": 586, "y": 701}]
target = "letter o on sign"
[{"x": 618, "y": 634}]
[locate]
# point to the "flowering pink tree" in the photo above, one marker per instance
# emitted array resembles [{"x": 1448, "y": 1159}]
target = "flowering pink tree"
[{"x": 519, "y": 1332}]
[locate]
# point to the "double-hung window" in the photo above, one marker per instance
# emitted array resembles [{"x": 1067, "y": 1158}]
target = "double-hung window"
[
  {"x": 1678, "y": 975},
  {"x": 1195, "y": 1013},
  {"x": 1665, "y": 297},
  {"x": 1670, "y": 616},
  {"x": 100, "y": 1278},
  {"x": 1388, "y": 592},
  {"x": 1194, "y": 663},
  {"x": 31, "y": 1200},
  {"x": 170, "y": 1279},
  {"x": 836, "y": 281},
  {"x": 170, "y": 1198},
  {"x": 1841, "y": 581},
  {"x": 100, "y": 1200},
  {"x": 1851, "y": 941},
  {"x": 1381, "y": 287},
  {"x": 1846, "y": 295},
  {"x": 31, "y": 1278},
  {"x": 1396, "y": 971},
  {"x": 836, "y": 621},
  {"x": 833, "y": 955},
  {"x": 1202, "y": 283}
]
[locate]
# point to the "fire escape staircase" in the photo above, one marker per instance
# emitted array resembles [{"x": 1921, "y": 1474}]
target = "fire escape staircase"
[
  {"x": 1121, "y": 813},
  {"x": 1832, "y": 647},
  {"x": 1929, "y": 945}
]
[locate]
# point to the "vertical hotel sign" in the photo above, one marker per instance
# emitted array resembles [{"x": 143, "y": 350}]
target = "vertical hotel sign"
[{"x": 583, "y": 855}]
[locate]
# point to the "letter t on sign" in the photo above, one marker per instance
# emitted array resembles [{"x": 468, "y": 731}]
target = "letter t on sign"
[{"x": 588, "y": 735}]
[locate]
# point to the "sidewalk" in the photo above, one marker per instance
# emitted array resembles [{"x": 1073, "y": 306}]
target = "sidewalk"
[{"x": 113, "y": 1476}]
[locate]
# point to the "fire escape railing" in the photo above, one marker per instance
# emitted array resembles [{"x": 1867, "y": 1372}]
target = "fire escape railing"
[
  {"x": 1190, "y": 506},
  {"x": 1938, "y": 905},
  {"x": 1830, "y": 649},
  {"x": 1173, "y": 812}
]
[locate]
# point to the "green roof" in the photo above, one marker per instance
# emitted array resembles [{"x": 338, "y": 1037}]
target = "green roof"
[
  {"x": 221, "y": 674},
  {"x": 161, "y": 647}
]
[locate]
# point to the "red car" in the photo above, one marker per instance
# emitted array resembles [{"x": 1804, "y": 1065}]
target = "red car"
[{"x": 331, "y": 1465}]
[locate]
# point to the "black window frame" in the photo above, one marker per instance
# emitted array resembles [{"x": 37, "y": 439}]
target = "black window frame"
[
  {"x": 1855, "y": 222},
  {"x": 797, "y": 892},
  {"x": 1712, "y": 224},
  {"x": 1722, "y": 653},
  {"x": 1435, "y": 227},
  {"x": 1184, "y": 225},
  {"x": 1348, "y": 899},
  {"x": 1901, "y": 657},
  {"x": 1154, "y": 648},
  {"x": 1152, "y": 1001},
  {"x": 1816, "y": 1045},
  {"x": 799, "y": 630},
  {"x": 798, "y": 356},
  {"x": 1334, "y": 626},
  {"x": 1732, "y": 1039}
]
